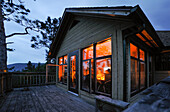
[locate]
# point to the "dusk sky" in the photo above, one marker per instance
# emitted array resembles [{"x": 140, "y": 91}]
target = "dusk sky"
[{"x": 157, "y": 11}]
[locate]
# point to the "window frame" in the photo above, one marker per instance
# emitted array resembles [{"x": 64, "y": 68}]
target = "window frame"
[
  {"x": 132, "y": 93},
  {"x": 62, "y": 68},
  {"x": 94, "y": 68}
]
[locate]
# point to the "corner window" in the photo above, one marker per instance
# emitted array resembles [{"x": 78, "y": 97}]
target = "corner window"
[
  {"x": 138, "y": 72},
  {"x": 62, "y": 72},
  {"x": 96, "y": 67}
]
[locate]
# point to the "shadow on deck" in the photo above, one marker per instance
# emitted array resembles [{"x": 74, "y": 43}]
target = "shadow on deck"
[{"x": 43, "y": 99}]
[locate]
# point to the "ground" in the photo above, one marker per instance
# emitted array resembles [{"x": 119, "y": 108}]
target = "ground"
[{"x": 43, "y": 99}]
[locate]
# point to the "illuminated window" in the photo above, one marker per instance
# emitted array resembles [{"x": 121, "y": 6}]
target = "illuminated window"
[
  {"x": 61, "y": 60},
  {"x": 87, "y": 68},
  {"x": 73, "y": 71},
  {"x": 103, "y": 48},
  {"x": 138, "y": 72},
  {"x": 62, "y": 70},
  {"x": 88, "y": 53},
  {"x": 101, "y": 82},
  {"x": 133, "y": 51},
  {"x": 103, "y": 75}
]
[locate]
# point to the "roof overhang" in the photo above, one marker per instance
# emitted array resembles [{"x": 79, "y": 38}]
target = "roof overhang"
[{"x": 126, "y": 14}]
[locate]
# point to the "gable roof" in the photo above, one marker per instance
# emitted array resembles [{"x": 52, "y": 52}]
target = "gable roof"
[
  {"x": 121, "y": 13},
  {"x": 165, "y": 37}
]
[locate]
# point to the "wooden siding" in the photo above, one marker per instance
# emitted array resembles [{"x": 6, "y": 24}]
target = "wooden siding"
[{"x": 87, "y": 31}]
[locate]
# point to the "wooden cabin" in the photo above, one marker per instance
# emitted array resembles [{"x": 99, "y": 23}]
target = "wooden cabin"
[{"x": 107, "y": 51}]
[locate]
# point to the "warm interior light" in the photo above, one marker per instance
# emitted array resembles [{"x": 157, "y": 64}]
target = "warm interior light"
[
  {"x": 103, "y": 48},
  {"x": 140, "y": 36},
  {"x": 133, "y": 50},
  {"x": 88, "y": 53},
  {"x": 142, "y": 54},
  {"x": 86, "y": 68},
  {"x": 73, "y": 69},
  {"x": 61, "y": 60},
  {"x": 103, "y": 69},
  {"x": 100, "y": 76},
  {"x": 60, "y": 72},
  {"x": 144, "y": 32},
  {"x": 65, "y": 59},
  {"x": 49, "y": 53}
]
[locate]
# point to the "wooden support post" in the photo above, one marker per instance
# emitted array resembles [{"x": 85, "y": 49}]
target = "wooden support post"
[
  {"x": 114, "y": 64},
  {"x": 46, "y": 73}
]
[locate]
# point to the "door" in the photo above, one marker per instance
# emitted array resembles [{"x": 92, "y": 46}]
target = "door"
[{"x": 73, "y": 71}]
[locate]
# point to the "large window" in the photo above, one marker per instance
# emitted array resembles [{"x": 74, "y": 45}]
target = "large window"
[
  {"x": 96, "y": 67},
  {"x": 62, "y": 72},
  {"x": 138, "y": 72}
]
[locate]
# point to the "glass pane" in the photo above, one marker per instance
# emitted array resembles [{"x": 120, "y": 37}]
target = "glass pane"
[
  {"x": 73, "y": 71},
  {"x": 88, "y": 53},
  {"x": 142, "y": 55},
  {"x": 61, "y": 60},
  {"x": 65, "y": 74},
  {"x": 103, "y": 48},
  {"x": 142, "y": 75},
  {"x": 65, "y": 59},
  {"x": 86, "y": 75},
  {"x": 92, "y": 74},
  {"x": 60, "y": 77},
  {"x": 103, "y": 75},
  {"x": 134, "y": 75},
  {"x": 133, "y": 51}
]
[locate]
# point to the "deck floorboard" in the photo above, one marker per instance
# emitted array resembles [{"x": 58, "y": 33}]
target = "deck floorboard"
[{"x": 43, "y": 99}]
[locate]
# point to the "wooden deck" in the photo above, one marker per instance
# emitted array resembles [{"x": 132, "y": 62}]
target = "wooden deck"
[{"x": 43, "y": 99}]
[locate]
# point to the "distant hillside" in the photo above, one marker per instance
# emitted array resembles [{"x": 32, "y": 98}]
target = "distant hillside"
[{"x": 19, "y": 66}]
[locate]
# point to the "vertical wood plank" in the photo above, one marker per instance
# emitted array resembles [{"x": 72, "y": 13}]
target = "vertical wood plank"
[
  {"x": 120, "y": 63},
  {"x": 79, "y": 71},
  {"x": 31, "y": 80},
  {"x": 147, "y": 70},
  {"x": 39, "y": 79},
  {"x": 27, "y": 79},
  {"x": 36, "y": 80},
  {"x": 128, "y": 75},
  {"x": 114, "y": 64}
]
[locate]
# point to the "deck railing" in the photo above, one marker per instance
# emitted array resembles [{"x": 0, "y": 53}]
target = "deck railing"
[
  {"x": 5, "y": 83},
  {"x": 32, "y": 79},
  {"x": 11, "y": 80}
]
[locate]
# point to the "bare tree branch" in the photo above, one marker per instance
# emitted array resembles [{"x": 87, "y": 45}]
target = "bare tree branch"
[{"x": 26, "y": 32}]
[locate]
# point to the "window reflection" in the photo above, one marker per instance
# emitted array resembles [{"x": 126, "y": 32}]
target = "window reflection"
[
  {"x": 102, "y": 79},
  {"x": 62, "y": 73},
  {"x": 65, "y": 59},
  {"x": 142, "y": 75},
  {"x": 86, "y": 75},
  {"x": 88, "y": 53},
  {"x": 104, "y": 75},
  {"x": 134, "y": 75},
  {"x": 61, "y": 60},
  {"x": 138, "y": 73},
  {"x": 142, "y": 55},
  {"x": 73, "y": 71},
  {"x": 103, "y": 48},
  {"x": 133, "y": 51}
]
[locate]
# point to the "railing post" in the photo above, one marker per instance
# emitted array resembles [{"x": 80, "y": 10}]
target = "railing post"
[
  {"x": 39, "y": 79},
  {"x": 46, "y": 73},
  {"x": 2, "y": 85}
]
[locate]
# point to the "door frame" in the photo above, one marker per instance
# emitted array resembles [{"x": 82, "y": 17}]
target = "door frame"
[{"x": 74, "y": 53}]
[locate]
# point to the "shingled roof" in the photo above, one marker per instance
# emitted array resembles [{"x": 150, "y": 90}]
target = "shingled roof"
[
  {"x": 154, "y": 99},
  {"x": 165, "y": 37}
]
